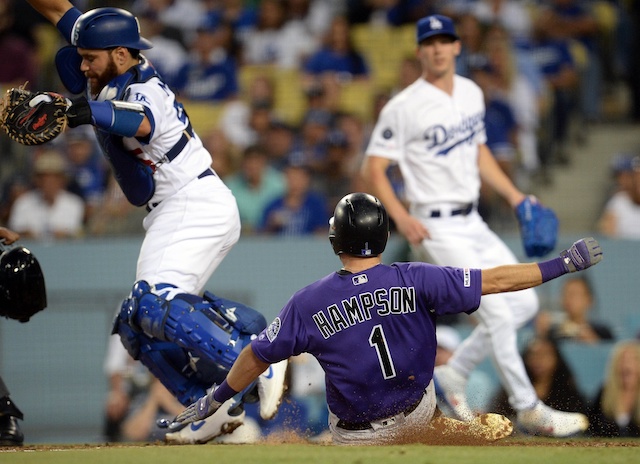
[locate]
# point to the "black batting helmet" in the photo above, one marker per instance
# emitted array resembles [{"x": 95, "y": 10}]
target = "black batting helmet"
[
  {"x": 359, "y": 226},
  {"x": 22, "y": 288}
]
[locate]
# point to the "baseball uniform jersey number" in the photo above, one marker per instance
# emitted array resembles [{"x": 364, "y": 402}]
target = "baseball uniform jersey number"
[{"x": 378, "y": 341}]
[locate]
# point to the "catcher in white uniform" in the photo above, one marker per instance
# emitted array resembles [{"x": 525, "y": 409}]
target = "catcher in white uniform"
[
  {"x": 434, "y": 130},
  {"x": 193, "y": 221}
]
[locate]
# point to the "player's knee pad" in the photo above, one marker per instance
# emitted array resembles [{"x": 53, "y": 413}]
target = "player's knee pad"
[
  {"x": 154, "y": 313},
  {"x": 147, "y": 312},
  {"x": 207, "y": 334},
  {"x": 129, "y": 308}
]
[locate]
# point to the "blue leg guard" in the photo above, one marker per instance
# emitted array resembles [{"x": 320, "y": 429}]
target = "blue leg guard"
[
  {"x": 170, "y": 364},
  {"x": 201, "y": 329},
  {"x": 213, "y": 330}
]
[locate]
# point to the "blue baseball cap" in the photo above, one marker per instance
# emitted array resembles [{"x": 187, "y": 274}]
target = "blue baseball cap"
[
  {"x": 622, "y": 162},
  {"x": 435, "y": 25}
]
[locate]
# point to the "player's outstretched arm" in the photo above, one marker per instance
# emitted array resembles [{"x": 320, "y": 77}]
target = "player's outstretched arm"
[{"x": 583, "y": 254}]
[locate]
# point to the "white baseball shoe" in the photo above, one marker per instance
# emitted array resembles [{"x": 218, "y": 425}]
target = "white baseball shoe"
[
  {"x": 271, "y": 388},
  {"x": 450, "y": 390},
  {"x": 549, "y": 422},
  {"x": 225, "y": 420},
  {"x": 249, "y": 432}
]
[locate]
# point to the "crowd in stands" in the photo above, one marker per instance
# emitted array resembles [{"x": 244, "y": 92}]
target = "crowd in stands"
[{"x": 284, "y": 94}]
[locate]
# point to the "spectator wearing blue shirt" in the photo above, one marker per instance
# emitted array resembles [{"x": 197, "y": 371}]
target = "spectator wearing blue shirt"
[
  {"x": 472, "y": 54},
  {"x": 210, "y": 73},
  {"x": 559, "y": 70},
  {"x": 501, "y": 129},
  {"x": 168, "y": 54},
  {"x": 500, "y": 125},
  {"x": 338, "y": 176},
  {"x": 571, "y": 19},
  {"x": 87, "y": 169},
  {"x": 242, "y": 15},
  {"x": 310, "y": 145},
  {"x": 300, "y": 210},
  {"x": 338, "y": 56}
]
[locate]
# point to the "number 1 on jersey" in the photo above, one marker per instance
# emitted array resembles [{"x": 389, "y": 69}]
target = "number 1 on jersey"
[{"x": 379, "y": 342}]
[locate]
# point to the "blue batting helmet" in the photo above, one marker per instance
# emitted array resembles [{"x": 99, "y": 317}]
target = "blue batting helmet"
[{"x": 104, "y": 28}]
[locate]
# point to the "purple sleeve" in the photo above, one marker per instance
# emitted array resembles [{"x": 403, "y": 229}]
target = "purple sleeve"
[
  {"x": 454, "y": 290},
  {"x": 283, "y": 338}
]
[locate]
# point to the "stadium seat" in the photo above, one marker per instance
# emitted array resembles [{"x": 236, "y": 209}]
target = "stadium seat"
[
  {"x": 629, "y": 326},
  {"x": 383, "y": 47},
  {"x": 579, "y": 53},
  {"x": 289, "y": 96},
  {"x": 204, "y": 116},
  {"x": 588, "y": 364},
  {"x": 290, "y": 99},
  {"x": 606, "y": 16},
  {"x": 356, "y": 97}
]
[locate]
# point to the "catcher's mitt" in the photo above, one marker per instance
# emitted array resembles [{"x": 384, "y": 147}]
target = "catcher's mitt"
[
  {"x": 33, "y": 118},
  {"x": 538, "y": 227}
]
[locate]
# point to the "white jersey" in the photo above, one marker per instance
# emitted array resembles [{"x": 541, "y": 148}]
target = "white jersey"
[
  {"x": 627, "y": 216},
  {"x": 31, "y": 213},
  {"x": 168, "y": 123},
  {"x": 193, "y": 218},
  {"x": 434, "y": 138}
]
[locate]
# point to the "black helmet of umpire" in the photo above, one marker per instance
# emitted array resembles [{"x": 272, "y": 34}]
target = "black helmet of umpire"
[
  {"x": 22, "y": 288},
  {"x": 359, "y": 226}
]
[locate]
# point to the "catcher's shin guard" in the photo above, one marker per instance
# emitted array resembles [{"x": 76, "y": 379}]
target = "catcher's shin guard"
[
  {"x": 209, "y": 330},
  {"x": 169, "y": 363}
]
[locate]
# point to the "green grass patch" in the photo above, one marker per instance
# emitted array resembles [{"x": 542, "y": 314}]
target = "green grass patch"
[{"x": 522, "y": 452}]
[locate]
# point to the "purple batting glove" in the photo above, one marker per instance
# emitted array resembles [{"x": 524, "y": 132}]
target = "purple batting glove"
[
  {"x": 583, "y": 254},
  {"x": 201, "y": 409}
]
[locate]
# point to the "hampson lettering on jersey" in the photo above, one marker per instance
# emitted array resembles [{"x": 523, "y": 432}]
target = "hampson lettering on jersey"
[
  {"x": 451, "y": 137},
  {"x": 358, "y": 308}
]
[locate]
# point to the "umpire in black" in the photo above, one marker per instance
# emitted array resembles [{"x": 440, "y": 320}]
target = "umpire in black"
[{"x": 22, "y": 294}]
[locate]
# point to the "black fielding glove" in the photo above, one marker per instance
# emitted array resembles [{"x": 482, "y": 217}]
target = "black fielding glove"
[{"x": 79, "y": 112}]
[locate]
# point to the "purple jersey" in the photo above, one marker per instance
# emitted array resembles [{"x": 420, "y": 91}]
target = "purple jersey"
[{"x": 372, "y": 332}]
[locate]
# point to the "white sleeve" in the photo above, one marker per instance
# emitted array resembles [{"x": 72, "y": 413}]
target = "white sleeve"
[{"x": 387, "y": 139}]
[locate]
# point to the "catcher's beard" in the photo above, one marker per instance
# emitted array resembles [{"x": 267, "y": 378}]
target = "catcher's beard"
[{"x": 98, "y": 82}]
